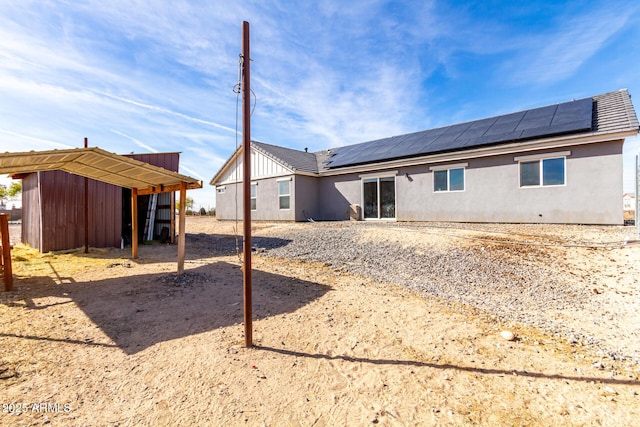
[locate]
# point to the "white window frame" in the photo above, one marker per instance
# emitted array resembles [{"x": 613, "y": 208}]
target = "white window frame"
[
  {"x": 288, "y": 195},
  {"x": 221, "y": 189},
  {"x": 447, "y": 168},
  {"x": 253, "y": 199},
  {"x": 541, "y": 158},
  {"x": 378, "y": 176}
]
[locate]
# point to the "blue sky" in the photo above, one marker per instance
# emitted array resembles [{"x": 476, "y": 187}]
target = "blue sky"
[{"x": 155, "y": 76}]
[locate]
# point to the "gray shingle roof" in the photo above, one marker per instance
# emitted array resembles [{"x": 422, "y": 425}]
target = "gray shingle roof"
[
  {"x": 613, "y": 112},
  {"x": 295, "y": 160}
]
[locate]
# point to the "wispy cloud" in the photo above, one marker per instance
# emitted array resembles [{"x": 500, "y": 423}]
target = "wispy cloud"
[
  {"x": 28, "y": 143},
  {"x": 159, "y": 77},
  {"x": 558, "y": 54},
  {"x": 136, "y": 141},
  {"x": 166, "y": 111}
]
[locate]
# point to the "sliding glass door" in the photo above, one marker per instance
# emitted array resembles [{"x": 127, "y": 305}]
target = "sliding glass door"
[{"x": 379, "y": 197}]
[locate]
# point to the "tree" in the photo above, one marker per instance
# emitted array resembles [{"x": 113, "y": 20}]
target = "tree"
[
  {"x": 7, "y": 194},
  {"x": 188, "y": 205},
  {"x": 15, "y": 189}
]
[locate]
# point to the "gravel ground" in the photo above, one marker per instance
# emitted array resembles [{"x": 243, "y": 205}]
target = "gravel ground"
[{"x": 517, "y": 273}]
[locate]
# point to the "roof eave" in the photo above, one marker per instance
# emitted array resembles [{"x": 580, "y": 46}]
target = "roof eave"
[
  {"x": 98, "y": 164},
  {"x": 225, "y": 166}
]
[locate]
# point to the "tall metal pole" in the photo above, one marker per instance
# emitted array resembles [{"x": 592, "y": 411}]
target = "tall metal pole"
[
  {"x": 86, "y": 207},
  {"x": 246, "y": 184}
]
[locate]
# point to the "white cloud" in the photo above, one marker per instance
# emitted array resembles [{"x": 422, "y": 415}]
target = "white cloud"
[
  {"x": 557, "y": 55},
  {"x": 158, "y": 76},
  {"x": 29, "y": 143},
  {"x": 136, "y": 141},
  {"x": 166, "y": 111}
]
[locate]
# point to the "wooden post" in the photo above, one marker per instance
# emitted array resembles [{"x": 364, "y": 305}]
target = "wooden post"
[
  {"x": 181, "y": 224},
  {"x": 173, "y": 218},
  {"x": 7, "y": 271},
  {"x": 134, "y": 223},
  {"x": 86, "y": 207},
  {"x": 246, "y": 184}
]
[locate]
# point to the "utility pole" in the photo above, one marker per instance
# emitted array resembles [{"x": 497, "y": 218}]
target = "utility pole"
[
  {"x": 246, "y": 184},
  {"x": 86, "y": 207}
]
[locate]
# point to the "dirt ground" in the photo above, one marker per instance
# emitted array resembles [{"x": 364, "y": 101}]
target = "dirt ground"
[{"x": 103, "y": 340}]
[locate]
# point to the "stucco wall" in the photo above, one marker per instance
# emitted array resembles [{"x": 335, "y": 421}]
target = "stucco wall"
[
  {"x": 336, "y": 194},
  {"x": 306, "y": 198},
  {"x": 591, "y": 194},
  {"x": 267, "y": 202},
  {"x": 226, "y": 201}
]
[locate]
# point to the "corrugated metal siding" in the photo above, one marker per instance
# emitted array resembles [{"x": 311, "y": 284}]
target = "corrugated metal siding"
[
  {"x": 31, "y": 211},
  {"x": 163, "y": 213},
  {"x": 166, "y": 201},
  {"x": 62, "y": 206},
  {"x": 105, "y": 214},
  {"x": 169, "y": 161},
  {"x": 53, "y": 215}
]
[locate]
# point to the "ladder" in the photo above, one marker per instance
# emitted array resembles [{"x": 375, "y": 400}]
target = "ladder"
[{"x": 151, "y": 217}]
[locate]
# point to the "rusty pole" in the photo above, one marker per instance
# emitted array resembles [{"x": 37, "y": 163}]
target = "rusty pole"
[
  {"x": 86, "y": 207},
  {"x": 246, "y": 184},
  {"x": 181, "y": 231}
]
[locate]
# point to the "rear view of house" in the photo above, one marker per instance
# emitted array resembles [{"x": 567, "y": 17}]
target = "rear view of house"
[{"x": 556, "y": 164}]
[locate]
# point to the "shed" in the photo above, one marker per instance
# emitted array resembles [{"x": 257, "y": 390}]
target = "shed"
[
  {"x": 138, "y": 177},
  {"x": 53, "y": 209}
]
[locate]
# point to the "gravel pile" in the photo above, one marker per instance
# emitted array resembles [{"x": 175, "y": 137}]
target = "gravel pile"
[{"x": 508, "y": 285}]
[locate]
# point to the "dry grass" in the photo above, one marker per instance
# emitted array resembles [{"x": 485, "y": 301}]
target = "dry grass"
[{"x": 27, "y": 262}]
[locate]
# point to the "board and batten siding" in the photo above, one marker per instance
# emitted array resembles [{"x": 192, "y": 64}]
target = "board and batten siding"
[
  {"x": 264, "y": 172},
  {"x": 261, "y": 167}
]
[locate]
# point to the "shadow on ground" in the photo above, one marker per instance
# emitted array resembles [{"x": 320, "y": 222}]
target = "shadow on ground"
[
  {"x": 136, "y": 312},
  {"x": 226, "y": 244}
]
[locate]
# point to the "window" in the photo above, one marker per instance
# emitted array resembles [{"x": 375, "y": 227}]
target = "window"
[
  {"x": 448, "y": 178},
  {"x": 379, "y": 197},
  {"x": 542, "y": 172},
  {"x": 254, "y": 196},
  {"x": 284, "y": 193},
  {"x": 221, "y": 190}
]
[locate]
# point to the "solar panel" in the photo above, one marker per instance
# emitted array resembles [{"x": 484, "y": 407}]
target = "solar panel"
[{"x": 573, "y": 116}]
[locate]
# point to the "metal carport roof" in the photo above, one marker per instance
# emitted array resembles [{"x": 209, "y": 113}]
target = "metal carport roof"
[
  {"x": 95, "y": 163},
  {"x": 100, "y": 165}
]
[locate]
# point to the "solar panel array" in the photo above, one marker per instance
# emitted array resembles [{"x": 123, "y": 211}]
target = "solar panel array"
[{"x": 573, "y": 116}]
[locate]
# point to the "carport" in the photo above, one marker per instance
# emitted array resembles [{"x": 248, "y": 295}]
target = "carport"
[{"x": 95, "y": 163}]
